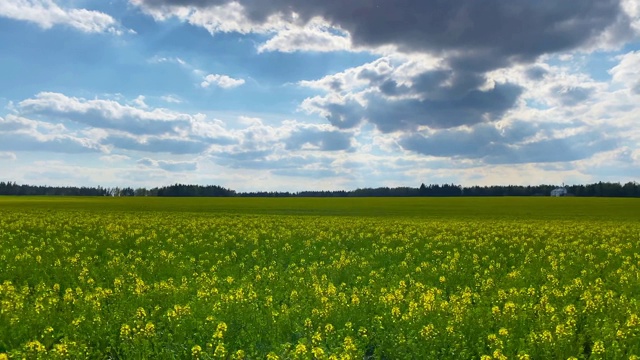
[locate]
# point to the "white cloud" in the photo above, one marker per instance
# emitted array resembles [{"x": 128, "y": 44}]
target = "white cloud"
[
  {"x": 46, "y": 14},
  {"x": 222, "y": 81},
  {"x": 114, "y": 158},
  {"x": 170, "y": 166},
  {"x": 224, "y": 18},
  {"x": 21, "y": 134},
  {"x": 7, "y": 156},
  {"x": 286, "y": 32},
  {"x": 131, "y": 125},
  {"x": 139, "y": 102},
  {"x": 627, "y": 71},
  {"x": 632, "y": 8},
  {"x": 106, "y": 114},
  {"x": 171, "y": 99},
  {"x": 163, "y": 59},
  {"x": 317, "y": 35}
]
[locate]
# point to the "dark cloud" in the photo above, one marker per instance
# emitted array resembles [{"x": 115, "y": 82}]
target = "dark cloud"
[
  {"x": 573, "y": 95},
  {"x": 536, "y": 73},
  {"x": 572, "y": 148},
  {"x": 485, "y": 33},
  {"x": 469, "y": 143},
  {"x": 472, "y": 36},
  {"x": 508, "y": 146},
  {"x": 323, "y": 140},
  {"x": 156, "y": 145},
  {"x": 344, "y": 116},
  {"x": 440, "y": 108}
]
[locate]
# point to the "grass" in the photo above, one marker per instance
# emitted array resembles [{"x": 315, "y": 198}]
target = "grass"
[{"x": 524, "y": 208}]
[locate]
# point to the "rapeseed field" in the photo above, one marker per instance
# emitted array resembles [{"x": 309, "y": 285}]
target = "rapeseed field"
[{"x": 427, "y": 280}]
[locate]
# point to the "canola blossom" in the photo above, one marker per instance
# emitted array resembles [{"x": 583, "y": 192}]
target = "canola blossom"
[{"x": 115, "y": 284}]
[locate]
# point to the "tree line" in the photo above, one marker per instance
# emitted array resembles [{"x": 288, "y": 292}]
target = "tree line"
[{"x": 605, "y": 189}]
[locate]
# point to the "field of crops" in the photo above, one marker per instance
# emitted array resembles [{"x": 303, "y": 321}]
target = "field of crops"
[{"x": 482, "y": 279}]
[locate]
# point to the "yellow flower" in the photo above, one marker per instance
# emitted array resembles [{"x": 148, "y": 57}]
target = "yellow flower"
[
  {"x": 61, "y": 349},
  {"x": 427, "y": 331},
  {"x": 318, "y": 353},
  {"x": 509, "y": 307},
  {"x": 272, "y": 356},
  {"x": 598, "y": 347},
  {"x": 547, "y": 336},
  {"x": 125, "y": 331},
  {"x": 196, "y": 350},
  {"x": 316, "y": 338},
  {"x": 395, "y": 311},
  {"x": 301, "y": 349},
  {"x": 140, "y": 313},
  {"x": 150, "y": 329},
  {"x": 355, "y": 300},
  {"x": 497, "y": 354},
  {"x": 35, "y": 346},
  {"x": 348, "y": 344},
  {"x": 328, "y": 328},
  {"x": 503, "y": 332},
  {"x": 570, "y": 310},
  {"x": 78, "y": 321},
  {"x": 3, "y": 356},
  {"x": 220, "y": 351},
  {"x": 222, "y": 326}
]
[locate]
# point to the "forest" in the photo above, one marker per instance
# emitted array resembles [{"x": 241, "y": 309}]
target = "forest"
[{"x": 600, "y": 189}]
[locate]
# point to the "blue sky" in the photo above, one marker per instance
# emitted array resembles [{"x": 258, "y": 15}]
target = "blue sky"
[{"x": 319, "y": 95}]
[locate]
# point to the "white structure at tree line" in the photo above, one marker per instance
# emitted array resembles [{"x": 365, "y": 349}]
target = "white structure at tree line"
[{"x": 559, "y": 191}]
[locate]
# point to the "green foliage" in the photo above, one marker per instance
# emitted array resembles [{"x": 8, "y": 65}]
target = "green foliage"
[
  {"x": 480, "y": 208},
  {"x": 289, "y": 279}
]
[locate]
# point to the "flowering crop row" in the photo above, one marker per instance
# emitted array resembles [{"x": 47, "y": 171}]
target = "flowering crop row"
[{"x": 77, "y": 284}]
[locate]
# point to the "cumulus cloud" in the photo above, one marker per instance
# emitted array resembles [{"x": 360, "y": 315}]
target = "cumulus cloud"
[
  {"x": 481, "y": 33},
  {"x": 626, "y": 72},
  {"x": 405, "y": 96},
  {"x": 171, "y": 145},
  {"x": 106, "y": 114},
  {"x": 317, "y": 35},
  {"x": 46, "y": 14},
  {"x": 450, "y": 49},
  {"x": 222, "y": 81},
  {"x": 314, "y": 138},
  {"x": 22, "y": 134},
  {"x": 518, "y": 142},
  {"x": 285, "y": 32},
  {"x": 170, "y": 166}
]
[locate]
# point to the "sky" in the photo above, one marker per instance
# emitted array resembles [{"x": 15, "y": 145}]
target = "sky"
[{"x": 319, "y": 94}]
